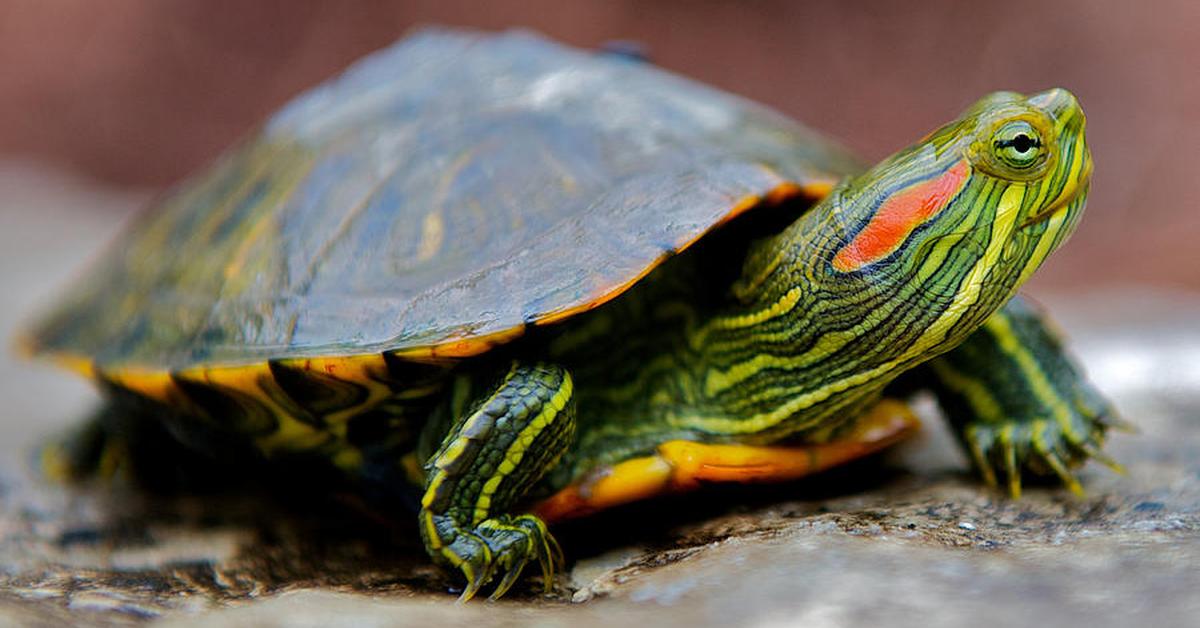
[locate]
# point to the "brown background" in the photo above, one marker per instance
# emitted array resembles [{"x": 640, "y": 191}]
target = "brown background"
[
  {"x": 135, "y": 93},
  {"x": 139, "y": 92}
]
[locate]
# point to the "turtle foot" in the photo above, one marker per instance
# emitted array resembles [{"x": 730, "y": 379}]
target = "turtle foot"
[
  {"x": 120, "y": 445},
  {"x": 501, "y": 547},
  {"x": 1043, "y": 448},
  {"x": 87, "y": 452},
  {"x": 1020, "y": 403}
]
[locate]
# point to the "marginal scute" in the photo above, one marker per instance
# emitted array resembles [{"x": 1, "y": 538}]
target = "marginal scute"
[
  {"x": 232, "y": 409},
  {"x": 315, "y": 392}
]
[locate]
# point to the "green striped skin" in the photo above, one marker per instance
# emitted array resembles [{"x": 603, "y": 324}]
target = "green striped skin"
[
  {"x": 803, "y": 347},
  {"x": 799, "y": 348},
  {"x": 789, "y": 337},
  {"x": 502, "y": 443},
  {"x": 1018, "y": 402}
]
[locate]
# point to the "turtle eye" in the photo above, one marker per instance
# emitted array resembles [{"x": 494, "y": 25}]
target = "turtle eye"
[{"x": 1018, "y": 144}]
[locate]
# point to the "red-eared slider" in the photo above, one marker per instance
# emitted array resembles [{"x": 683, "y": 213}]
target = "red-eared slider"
[{"x": 538, "y": 282}]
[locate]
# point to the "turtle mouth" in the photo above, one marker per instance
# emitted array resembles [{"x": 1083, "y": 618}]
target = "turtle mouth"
[
  {"x": 1072, "y": 195},
  {"x": 1065, "y": 203}
]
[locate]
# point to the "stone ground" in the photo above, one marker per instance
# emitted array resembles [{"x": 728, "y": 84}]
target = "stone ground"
[{"x": 909, "y": 539}]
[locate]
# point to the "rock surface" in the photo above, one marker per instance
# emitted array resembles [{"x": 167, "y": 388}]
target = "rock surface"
[{"x": 910, "y": 539}]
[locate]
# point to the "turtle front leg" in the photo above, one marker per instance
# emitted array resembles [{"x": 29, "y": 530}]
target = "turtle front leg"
[
  {"x": 1019, "y": 404},
  {"x": 499, "y": 447}
]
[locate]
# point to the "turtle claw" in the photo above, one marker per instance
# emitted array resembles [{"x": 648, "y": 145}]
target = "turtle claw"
[
  {"x": 1019, "y": 449},
  {"x": 1060, "y": 469},
  {"x": 558, "y": 559},
  {"x": 1011, "y": 471},
  {"x": 1111, "y": 420},
  {"x": 471, "y": 554},
  {"x": 504, "y": 545},
  {"x": 1094, "y": 453},
  {"x": 474, "y": 583}
]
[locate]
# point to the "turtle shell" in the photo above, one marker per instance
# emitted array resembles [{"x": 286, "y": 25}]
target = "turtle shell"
[{"x": 432, "y": 201}]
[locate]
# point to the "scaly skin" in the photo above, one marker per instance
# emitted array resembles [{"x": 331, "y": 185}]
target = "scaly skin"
[
  {"x": 499, "y": 447},
  {"x": 803, "y": 346},
  {"x": 894, "y": 268},
  {"x": 1018, "y": 403}
]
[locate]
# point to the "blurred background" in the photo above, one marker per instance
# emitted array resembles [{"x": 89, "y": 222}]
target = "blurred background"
[
  {"x": 102, "y": 103},
  {"x": 133, "y": 94}
]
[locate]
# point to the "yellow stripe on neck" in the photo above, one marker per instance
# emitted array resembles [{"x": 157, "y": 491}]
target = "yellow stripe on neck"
[{"x": 1007, "y": 212}]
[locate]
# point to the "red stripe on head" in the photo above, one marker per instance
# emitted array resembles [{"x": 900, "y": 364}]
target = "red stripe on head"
[{"x": 898, "y": 216}]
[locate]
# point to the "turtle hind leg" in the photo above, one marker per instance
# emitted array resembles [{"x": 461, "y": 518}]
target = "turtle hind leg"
[
  {"x": 681, "y": 465},
  {"x": 127, "y": 441},
  {"x": 500, "y": 445},
  {"x": 1019, "y": 404},
  {"x": 88, "y": 451}
]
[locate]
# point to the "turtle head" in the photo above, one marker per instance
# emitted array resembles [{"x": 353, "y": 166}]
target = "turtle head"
[
  {"x": 1035, "y": 148},
  {"x": 1009, "y": 172},
  {"x": 953, "y": 224}
]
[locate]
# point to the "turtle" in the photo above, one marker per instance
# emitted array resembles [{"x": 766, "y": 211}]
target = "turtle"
[{"x": 516, "y": 282}]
